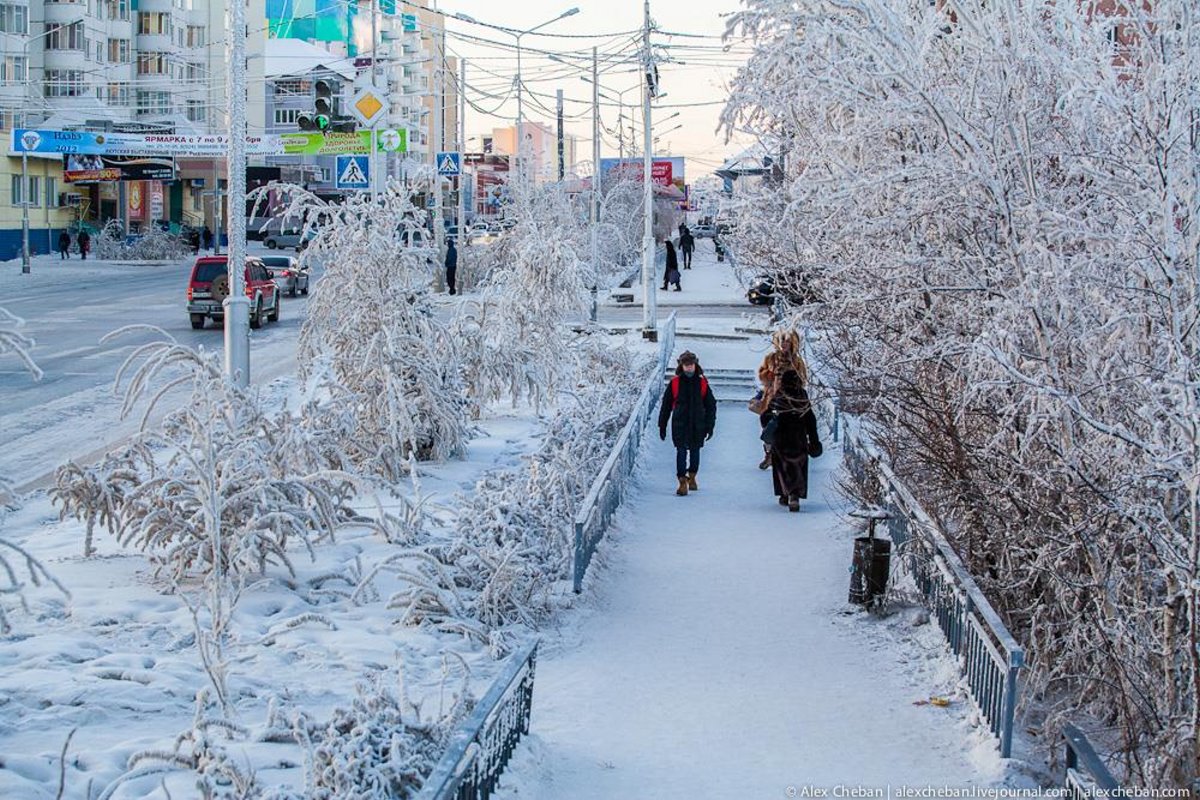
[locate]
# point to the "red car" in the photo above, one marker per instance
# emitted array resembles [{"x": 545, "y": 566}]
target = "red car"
[{"x": 209, "y": 286}]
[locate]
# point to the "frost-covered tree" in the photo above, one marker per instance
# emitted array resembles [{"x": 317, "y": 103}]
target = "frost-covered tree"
[
  {"x": 391, "y": 370},
  {"x": 998, "y": 207}
]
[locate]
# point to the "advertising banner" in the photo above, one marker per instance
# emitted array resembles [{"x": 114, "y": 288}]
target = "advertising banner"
[
  {"x": 93, "y": 169},
  {"x": 136, "y": 201},
  {"x": 197, "y": 146},
  {"x": 664, "y": 170}
]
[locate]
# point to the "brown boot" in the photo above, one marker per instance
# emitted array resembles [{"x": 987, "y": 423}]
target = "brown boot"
[
  {"x": 793, "y": 503},
  {"x": 691, "y": 478},
  {"x": 766, "y": 462},
  {"x": 683, "y": 487}
]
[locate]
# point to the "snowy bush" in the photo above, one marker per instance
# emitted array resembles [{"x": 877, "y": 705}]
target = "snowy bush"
[
  {"x": 236, "y": 487},
  {"x": 513, "y": 336},
  {"x": 379, "y": 748},
  {"x": 15, "y": 560},
  {"x": 390, "y": 369},
  {"x": 154, "y": 245},
  {"x": 997, "y": 208},
  {"x": 514, "y": 540}
]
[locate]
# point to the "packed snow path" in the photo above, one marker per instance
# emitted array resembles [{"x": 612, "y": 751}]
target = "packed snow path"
[{"x": 723, "y": 661}]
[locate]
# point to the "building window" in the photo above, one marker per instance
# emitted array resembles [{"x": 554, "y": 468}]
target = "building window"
[
  {"x": 286, "y": 116},
  {"x": 14, "y": 19},
  {"x": 117, "y": 9},
  {"x": 293, "y": 88},
  {"x": 118, "y": 51},
  {"x": 153, "y": 23},
  {"x": 51, "y": 193},
  {"x": 12, "y": 69},
  {"x": 64, "y": 83},
  {"x": 118, "y": 94},
  {"x": 195, "y": 36},
  {"x": 66, "y": 37},
  {"x": 196, "y": 110},
  {"x": 153, "y": 102},
  {"x": 153, "y": 64}
]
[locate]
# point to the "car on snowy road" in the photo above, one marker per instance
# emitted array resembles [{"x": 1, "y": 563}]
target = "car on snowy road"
[
  {"x": 288, "y": 274},
  {"x": 762, "y": 293},
  {"x": 208, "y": 287}
]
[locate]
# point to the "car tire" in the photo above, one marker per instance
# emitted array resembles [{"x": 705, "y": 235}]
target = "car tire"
[
  {"x": 274, "y": 315},
  {"x": 305, "y": 289},
  {"x": 256, "y": 317},
  {"x": 271, "y": 244},
  {"x": 197, "y": 321}
]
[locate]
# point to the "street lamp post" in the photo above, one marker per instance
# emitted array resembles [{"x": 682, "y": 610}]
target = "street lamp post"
[
  {"x": 25, "y": 263},
  {"x": 237, "y": 305},
  {"x": 649, "y": 299},
  {"x": 517, "y": 34}
]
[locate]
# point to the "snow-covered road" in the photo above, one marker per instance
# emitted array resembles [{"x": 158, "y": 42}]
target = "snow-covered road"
[{"x": 720, "y": 658}]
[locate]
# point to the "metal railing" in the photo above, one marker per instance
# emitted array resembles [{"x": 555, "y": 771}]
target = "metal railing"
[
  {"x": 608, "y": 489},
  {"x": 1086, "y": 776},
  {"x": 480, "y": 748},
  {"x": 988, "y": 654}
]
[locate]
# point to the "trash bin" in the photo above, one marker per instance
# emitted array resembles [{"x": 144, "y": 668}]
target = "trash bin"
[{"x": 872, "y": 559}]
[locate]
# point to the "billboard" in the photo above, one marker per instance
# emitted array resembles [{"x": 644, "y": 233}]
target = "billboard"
[
  {"x": 197, "y": 146},
  {"x": 664, "y": 171},
  {"x": 93, "y": 169}
]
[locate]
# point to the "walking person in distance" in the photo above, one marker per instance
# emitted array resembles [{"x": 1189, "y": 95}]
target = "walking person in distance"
[
  {"x": 671, "y": 273},
  {"x": 451, "y": 265},
  {"x": 689, "y": 405},
  {"x": 792, "y": 431},
  {"x": 687, "y": 244}
]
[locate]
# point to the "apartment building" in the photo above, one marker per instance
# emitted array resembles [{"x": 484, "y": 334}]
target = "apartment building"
[{"x": 131, "y": 65}]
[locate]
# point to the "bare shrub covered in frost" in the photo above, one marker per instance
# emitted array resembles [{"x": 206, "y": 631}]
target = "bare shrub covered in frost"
[
  {"x": 15, "y": 560},
  {"x": 514, "y": 539},
  {"x": 237, "y": 486},
  {"x": 378, "y": 748},
  {"x": 999, "y": 211},
  {"x": 390, "y": 369},
  {"x": 513, "y": 334},
  {"x": 154, "y": 245}
]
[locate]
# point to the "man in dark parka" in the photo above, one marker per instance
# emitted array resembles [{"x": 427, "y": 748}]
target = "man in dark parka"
[
  {"x": 689, "y": 404},
  {"x": 795, "y": 440}
]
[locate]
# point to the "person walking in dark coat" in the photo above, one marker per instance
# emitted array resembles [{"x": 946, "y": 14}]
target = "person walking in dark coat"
[
  {"x": 85, "y": 244},
  {"x": 671, "y": 273},
  {"x": 451, "y": 265},
  {"x": 64, "y": 244},
  {"x": 689, "y": 404},
  {"x": 794, "y": 441},
  {"x": 687, "y": 243},
  {"x": 207, "y": 237}
]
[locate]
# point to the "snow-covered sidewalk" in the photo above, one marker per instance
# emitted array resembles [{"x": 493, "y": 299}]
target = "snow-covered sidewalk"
[{"x": 722, "y": 660}]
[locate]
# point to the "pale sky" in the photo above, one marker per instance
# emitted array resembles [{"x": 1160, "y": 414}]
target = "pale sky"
[{"x": 700, "y": 79}]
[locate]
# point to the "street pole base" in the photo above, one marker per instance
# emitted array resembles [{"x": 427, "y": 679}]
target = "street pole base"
[
  {"x": 25, "y": 269},
  {"x": 650, "y": 334}
]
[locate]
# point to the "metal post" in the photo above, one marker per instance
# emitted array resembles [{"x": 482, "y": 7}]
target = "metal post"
[
  {"x": 595, "y": 184},
  {"x": 237, "y": 305},
  {"x": 373, "y": 157},
  {"x": 25, "y": 265},
  {"x": 649, "y": 299},
  {"x": 439, "y": 100},
  {"x": 562, "y": 167},
  {"x": 520, "y": 117},
  {"x": 462, "y": 150}
]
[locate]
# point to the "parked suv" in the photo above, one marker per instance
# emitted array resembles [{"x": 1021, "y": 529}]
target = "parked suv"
[{"x": 209, "y": 286}]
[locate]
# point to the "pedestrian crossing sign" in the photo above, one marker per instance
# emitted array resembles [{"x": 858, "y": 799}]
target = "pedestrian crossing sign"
[
  {"x": 353, "y": 172},
  {"x": 448, "y": 163}
]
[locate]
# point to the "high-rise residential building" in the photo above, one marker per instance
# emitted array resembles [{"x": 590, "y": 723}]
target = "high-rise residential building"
[{"x": 128, "y": 65}]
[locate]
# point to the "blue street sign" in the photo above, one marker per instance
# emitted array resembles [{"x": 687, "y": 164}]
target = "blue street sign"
[
  {"x": 449, "y": 163},
  {"x": 353, "y": 172}
]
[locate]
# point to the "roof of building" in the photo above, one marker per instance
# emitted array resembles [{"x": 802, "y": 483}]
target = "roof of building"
[{"x": 292, "y": 57}]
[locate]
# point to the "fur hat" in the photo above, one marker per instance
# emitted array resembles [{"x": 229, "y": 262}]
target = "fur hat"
[{"x": 688, "y": 357}]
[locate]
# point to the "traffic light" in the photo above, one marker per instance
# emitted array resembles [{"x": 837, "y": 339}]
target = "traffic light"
[{"x": 323, "y": 108}]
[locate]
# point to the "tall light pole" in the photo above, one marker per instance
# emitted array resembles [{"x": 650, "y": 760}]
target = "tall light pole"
[
  {"x": 462, "y": 154},
  {"x": 25, "y": 263},
  {"x": 649, "y": 299},
  {"x": 237, "y": 305},
  {"x": 595, "y": 183},
  {"x": 517, "y": 34}
]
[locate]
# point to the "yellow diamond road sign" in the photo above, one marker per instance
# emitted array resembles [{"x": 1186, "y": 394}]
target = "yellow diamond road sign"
[{"x": 368, "y": 106}]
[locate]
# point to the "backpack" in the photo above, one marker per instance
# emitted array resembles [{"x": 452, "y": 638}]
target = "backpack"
[{"x": 675, "y": 388}]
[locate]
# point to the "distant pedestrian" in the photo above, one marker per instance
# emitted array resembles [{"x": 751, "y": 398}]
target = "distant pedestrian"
[
  {"x": 720, "y": 248},
  {"x": 207, "y": 237},
  {"x": 451, "y": 265},
  {"x": 64, "y": 245},
  {"x": 689, "y": 404},
  {"x": 793, "y": 434},
  {"x": 85, "y": 244},
  {"x": 193, "y": 239},
  {"x": 687, "y": 243},
  {"x": 671, "y": 273},
  {"x": 682, "y": 227}
]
